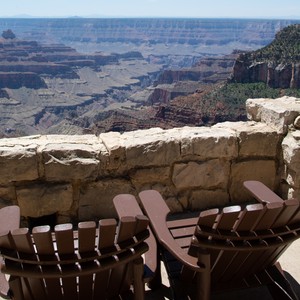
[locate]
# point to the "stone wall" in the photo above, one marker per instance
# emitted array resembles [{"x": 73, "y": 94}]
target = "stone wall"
[{"x": 77, "y": 177}]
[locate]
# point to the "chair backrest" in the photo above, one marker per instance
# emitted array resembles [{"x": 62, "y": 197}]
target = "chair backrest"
[
  {"x": 243, "y": 242},
  {"x": 93, "y": 262}
]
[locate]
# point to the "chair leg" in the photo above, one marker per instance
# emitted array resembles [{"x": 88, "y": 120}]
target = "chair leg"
[
  {"x": 281, "y": 287},
  {"x": 138, "y": 283},
  {"x": 203, "y": 278},
  {"x": 156, "y": 281}
]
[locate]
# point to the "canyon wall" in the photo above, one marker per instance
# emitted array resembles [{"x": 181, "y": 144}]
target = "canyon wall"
[
  {"x": 76, "y": 177},
  {"x": 209, "y": 32},
  {"x": 274, "y": 75}
]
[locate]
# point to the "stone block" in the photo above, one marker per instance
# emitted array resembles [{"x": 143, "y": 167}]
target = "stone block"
[
  {"x": 44, "y": 199},
  {"x": 67, "y": 162},
  {"x": 291, "y": 151},
  {"x": 261, "y": 170},
  {"x": 7, "y": 196},
  {"x": 18, "y": 163},
  {"x": 277, "y": 113},
  {"x": 142, "y": 177},
  {"x": 204, "y": 199},
  {"x": 206, "y": 175},
  {"x": 149, "y": 148},
  {"x": 208, "y": 143},
  {"x": 254, "y": 139},
  {"x": 96, "y": 199},
  {"x": 116, "y": 151},
  {"x": 174, "y": 205}
]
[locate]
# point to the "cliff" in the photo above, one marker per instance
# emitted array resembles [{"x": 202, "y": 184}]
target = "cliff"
[
  {"x": 277, "y": 65},
  {"x": 208, "y": 69}
]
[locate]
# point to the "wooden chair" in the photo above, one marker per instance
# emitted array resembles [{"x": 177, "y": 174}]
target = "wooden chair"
[
  {"x": 226, "y": 249},
  {"x": 94, "y": 262}
]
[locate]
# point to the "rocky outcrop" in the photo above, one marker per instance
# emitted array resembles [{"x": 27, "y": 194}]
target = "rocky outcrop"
[
  {"x": 15, "y": 80},
  {"x": 276, "y": 76},
  {"x": 209, "y": 70},
  {"x": 277, "y": 65},
  {"x": 26, "y": 63}
]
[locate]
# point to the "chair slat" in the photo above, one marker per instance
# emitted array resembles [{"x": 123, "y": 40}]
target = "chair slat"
[
  {"x": 126, "y": 230},
  {"x": 142, "y": 223},
  {"x": 6, "y": 240},
  {"x": 65, "y": 247},
  {"x": 43, "y": 240},
  {"x": 86, "y": 236},
  {"x": 208, "y": 218},
  {"x": 107, "y": 233},
  {"x": 181, "y": 232},
  {"x": 296, "y": 217},
  {"x": 86, "y": 245},
  {"x": 271, "y": 213},
  {"x": 289, "y": 209},
  {"x": 23, "y": 243},
  {"x": 228, "y": 218},
  {"x": 250, "y": 213},
  {"x": 182, "y": 222},
  {"x": 64, "y": 239},
  {"x": 15, "y": 285},
  {"x": 45, "y": 248},
  {"x": 100, "y": 285}
]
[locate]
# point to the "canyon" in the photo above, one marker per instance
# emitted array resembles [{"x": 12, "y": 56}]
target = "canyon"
[{"x": 77, "y": 76}]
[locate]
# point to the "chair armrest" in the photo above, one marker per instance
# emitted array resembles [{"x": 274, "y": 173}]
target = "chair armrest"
[
  {"x": 9, "y": 217},
  {"x": 127, "y": 205},
  {"x": 261, "y": 192},
  {"x": 157, "y": 210}
]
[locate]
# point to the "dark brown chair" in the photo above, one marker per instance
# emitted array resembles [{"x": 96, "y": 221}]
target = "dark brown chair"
[
  {"x": 226, "y": 249},
  {"x": 93, "y": 262}
]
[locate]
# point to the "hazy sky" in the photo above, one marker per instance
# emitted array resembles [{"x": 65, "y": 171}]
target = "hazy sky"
[{"x": 152, "y": 8}]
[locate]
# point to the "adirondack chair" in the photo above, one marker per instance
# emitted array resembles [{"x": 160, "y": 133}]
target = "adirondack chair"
[
  {"x": 226, "y": 249},
  {"x": 93, "y": 262},
  {"x": 9, "y": 220}
]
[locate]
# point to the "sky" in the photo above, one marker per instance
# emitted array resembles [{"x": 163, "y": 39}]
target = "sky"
[{"x": 152, "y": 8}]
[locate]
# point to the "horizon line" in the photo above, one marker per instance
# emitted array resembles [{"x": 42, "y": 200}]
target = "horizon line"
[{"x": 150, "y": 17}]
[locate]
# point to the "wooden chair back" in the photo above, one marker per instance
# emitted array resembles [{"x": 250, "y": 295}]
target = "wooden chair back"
[
  {"x": 93, "y": 262},
  {"x": 227, "y": 248},
  {"x": 244, "y": 242}
]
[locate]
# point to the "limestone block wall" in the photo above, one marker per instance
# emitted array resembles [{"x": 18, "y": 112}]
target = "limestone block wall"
[
  {"x": 282, "y": 114},
  {"x": 76, "y": 177}
]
